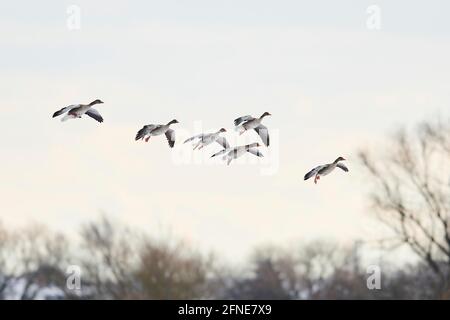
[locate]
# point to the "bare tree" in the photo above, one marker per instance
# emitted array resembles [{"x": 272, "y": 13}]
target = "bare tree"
[
  {"x": 411, "y": 193},
  {"x": 263, "y": 279},
  {"x": 315, "y": 270},
  {"x": 31, "y": 259},
  {"x": 108, "y": 257},
  {"x": 4, "y": 276},
  {"x": 125, "y": 264},
  {"x": 173, "y": 271},
  {"x": 119, "y": 263}
]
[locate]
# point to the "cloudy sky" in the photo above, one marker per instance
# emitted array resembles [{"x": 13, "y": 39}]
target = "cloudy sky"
[{"x": 334, "y": 79}]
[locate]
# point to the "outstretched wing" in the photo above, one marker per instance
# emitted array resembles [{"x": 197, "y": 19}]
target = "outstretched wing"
[
  {"x": 94, "y": 114},
  {"x": 223, "y": 142},
  {"x": 198, "y": 136},
  {"x": 256, "y": 152},
  {"x": 313, "y": 172},
  {"x": 343, "y": 167},
  {"x": 170, "y": 135},
  {"x": 263, "y": 132},
  {"x": 220, "y": 152},
  {"x": 240, "y": 120},
  {"x": 64, "y": 110},
  {"x": 144, "y": 131}
]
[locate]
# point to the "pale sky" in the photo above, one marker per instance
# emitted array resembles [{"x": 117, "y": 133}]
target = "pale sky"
[{"x": 332, "y": 84}]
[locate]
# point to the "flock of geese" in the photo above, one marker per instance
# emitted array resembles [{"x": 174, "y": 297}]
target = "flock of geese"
[{"x": 242, "y": 124}]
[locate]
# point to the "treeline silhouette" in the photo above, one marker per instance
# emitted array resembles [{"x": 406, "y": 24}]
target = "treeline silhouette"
[{"x": 120, "y": 263}]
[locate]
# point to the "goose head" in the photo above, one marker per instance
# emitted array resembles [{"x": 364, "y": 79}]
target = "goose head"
[
  {"x": 222, "y": 130},
  {"x": 265, "y": 114},
  {"x": 97, "y": 101},
  {"x": 173, "y": 121},
  {"x": 339, "y": 159}
]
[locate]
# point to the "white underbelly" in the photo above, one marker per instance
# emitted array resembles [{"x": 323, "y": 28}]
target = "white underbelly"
[{"x": 80, "y": 111}]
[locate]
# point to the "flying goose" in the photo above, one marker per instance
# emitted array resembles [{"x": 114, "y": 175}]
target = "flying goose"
[
  {"x": 157, "y": 129},
  {"x": 234, "y": 153},
  {"x": 77, "y": 110},
  {"x": 248, "y": 123},
  {"x": 325, "y": 169},
  {"x": 208, "y": 138}
]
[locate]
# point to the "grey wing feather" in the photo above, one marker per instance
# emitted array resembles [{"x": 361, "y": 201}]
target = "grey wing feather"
[
  {"x": 256, "y": 152},
  {"x": 240, "y": 120},
  {"x": 143, "y": 132},
  {"x": 75, "y": 109},
  {"x": 263, "y": 132},
  {"x": 312, "y": 172},
  {"x": 223, "y": 142},
  {"x": 64, "y": 110},
  {"x": 198, "y": 136},
  {"x": 220, "y": 152},
  {"x": 94, "y": 114},
  {"x": 343, "y": 167},
  {"x": 170, "y": 135}
]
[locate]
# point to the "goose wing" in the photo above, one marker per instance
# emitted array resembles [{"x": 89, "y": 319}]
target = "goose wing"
[
  {"x": 223, "y": 142},
  {"x": 313, "y": 172},
  {"x": 220, "y": 152},
  {"x": 240, "y": 120},
  {"x": 170, "y": 136},
  {"x": 94, "y": 114},
  {"x": 144, "y": 131},
  {"x": 198, "y": 136},
  {"x": 342, "y": 166},
  {"x": 263, "y": 132},
  {"x": 256, "y": 152},
  {"x": 64, "y": 110}
]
